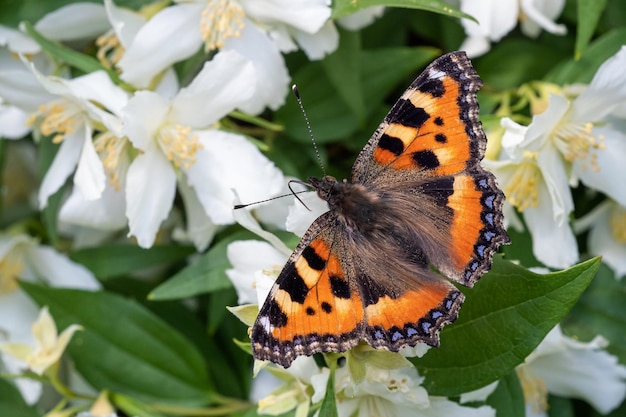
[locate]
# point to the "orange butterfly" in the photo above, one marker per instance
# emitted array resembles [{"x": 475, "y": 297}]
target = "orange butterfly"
[{"x": 417, "y": 197}]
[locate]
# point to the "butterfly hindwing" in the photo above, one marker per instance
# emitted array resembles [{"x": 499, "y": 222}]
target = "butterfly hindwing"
[{"x": 313, "y": 306}]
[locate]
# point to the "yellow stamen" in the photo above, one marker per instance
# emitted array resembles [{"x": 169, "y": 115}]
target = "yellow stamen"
[
  {"x": 535, "y": 391},
  {"x": 11, "y": 266},
  {"x": 521, "y": 190},
  {"x": 110, "y": 50},
  {"x": 112, "y": 150},
  {"x": 577, "y": 141},
  {"x": 221, "y": 20},
  {"x": 179, "y": 145},
  {"x": 618, "y": 224},
  {"x": 58, "y": 118}
]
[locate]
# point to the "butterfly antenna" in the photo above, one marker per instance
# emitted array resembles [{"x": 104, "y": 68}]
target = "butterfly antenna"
[
  {"x": 294, "y": 88},
  {"x": 294, "y": 193}
]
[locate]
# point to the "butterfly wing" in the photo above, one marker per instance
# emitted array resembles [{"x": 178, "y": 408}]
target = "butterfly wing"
[
  {"x": 326, "y": 299},
  {"x": 429, "y": 147},
  {"x": 313, "y": 306}
]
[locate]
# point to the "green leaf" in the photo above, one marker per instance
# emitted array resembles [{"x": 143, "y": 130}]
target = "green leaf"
[
  {"x": 206, "y": 274},
  {"x": 109, "y": 261},
  {"x": 561, "y": 407},
  {"x": 343, "y": 69},
  {"x": 74, "y": 59},
  {"x": 589, "y": 12},
  {"x": 583, "y": 70},
  {"x": 505, "y": 316},
  {"x": 329, "y": 403},
  {"x": 601, "y": 311},
  {"x": 330, "y": 117},
  {"x": 125, "y": 348},
  {"x": 508, "y": 398},
  {"x": 12, "y": 404},
  {"x": 343, "y": 8}
]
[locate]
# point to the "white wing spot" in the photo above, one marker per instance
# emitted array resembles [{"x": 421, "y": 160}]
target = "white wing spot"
[
  {"x": 264, "y": 321},
  {"x": 436, "y": 74}
]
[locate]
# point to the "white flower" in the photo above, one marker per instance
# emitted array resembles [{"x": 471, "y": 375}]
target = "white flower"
[
  {"x": 395, "y": 392},
  {"x": 536, "y": 184},
  {"x": 258, "y": 29},
  {"x": 568, "y": 368},
  {"x": 581, "y": 131},
  {"x": 362, "y": 18},
  {"x": 22, "y": 257},
  {"x": 70, "y": 118},
  {"x": 496, "y": 18},
  {"x": 49, "y": 344},
  {"x": 179, "y": 143},
  {"x": 607, "y": 234}
]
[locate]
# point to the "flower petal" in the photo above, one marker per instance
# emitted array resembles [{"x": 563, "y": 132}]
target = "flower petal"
[
  {"x": 609, "y": 177},
  {"x": 142, "y": 117},
  {"x": 90, "y": 178},
  {"x": 57, "y": 270},
  {"x": 306, "y": 15},
  {"x": 200, "y": 228},
  {"x": 12, "y": 122},
  {"x": 74, "y": 22},
  {"x": 320, "y": 43},
  {"x": 272, "y": 77},
  {"x": 105, "y": 213},
  {"x": 170, "y": 36},
  {"x": 150, "y": 190},
  {"x": 63, "y": 165},
  {"x": 125, "y": 22},
  {"x": 229, "y": 161},
  {"x": 225, "y": 82},
  {"x": 247, "y": 257},
  {"x": 554, "y": 243},
  {"x": 300, "y": 217}
]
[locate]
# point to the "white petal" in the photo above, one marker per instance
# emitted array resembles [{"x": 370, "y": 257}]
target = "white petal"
[
  {"x": 12, "y": 122},
  {"x": 106, "y": 213},
  {"x": 540, "y": 15},
  {"x": 98, "y": 87},
  {"x": 229, "y": 161},
  {"x": 143, "y": 115},
  {"x": 475, "y": 46},
  {"x": 606, "y": 91},
  {"x": 362, "y": 18},
  {"x": 125, "y": 23},
  {"x": 543, "y": 124},
  {"x": 440, "y": 406},
  {"x": 496, "y": 17},
  {"x": 57, "y": 270},
  {"x": 554, "y": 244},
  {"x": 480, "y": 394},
  {"x": 306, "y": 15},
  {"x": 73, "y": 22},
  {"x": 554, "y": 175},
  {"x": 275, "y": 212},
  {"x": 200, "y": 228},
  {"x": 23, "y": 90},
  {"x": 225, "y": 82},
  {"x": 272, "y": 78},
  {"x": 591, "y": 375},
  {"x": 301, "y": 217},
  {"x": 168, "y": 87},
  {"x": 63, "y": 165},
  {"x": 150, "y": 190},
  {"x": 17, "y": 313},
  {"x": 245, "y": 219},
  {"x": 170, "y": 36},
  {"x": 609, "y": 178},
  {"x": 247, "y": 257},
  {"x": 602, "y": 241},
  {"x": 17, "y": 41},
  {"x": 319, "y": 44},
  {"x": 90, "y": 178}
]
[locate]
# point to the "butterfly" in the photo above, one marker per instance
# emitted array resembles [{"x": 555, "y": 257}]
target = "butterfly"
[{"x": 417, "y": 199}]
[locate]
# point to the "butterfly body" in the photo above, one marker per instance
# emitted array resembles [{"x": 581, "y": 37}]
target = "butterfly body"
[{"x": 417, "y": 199}]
